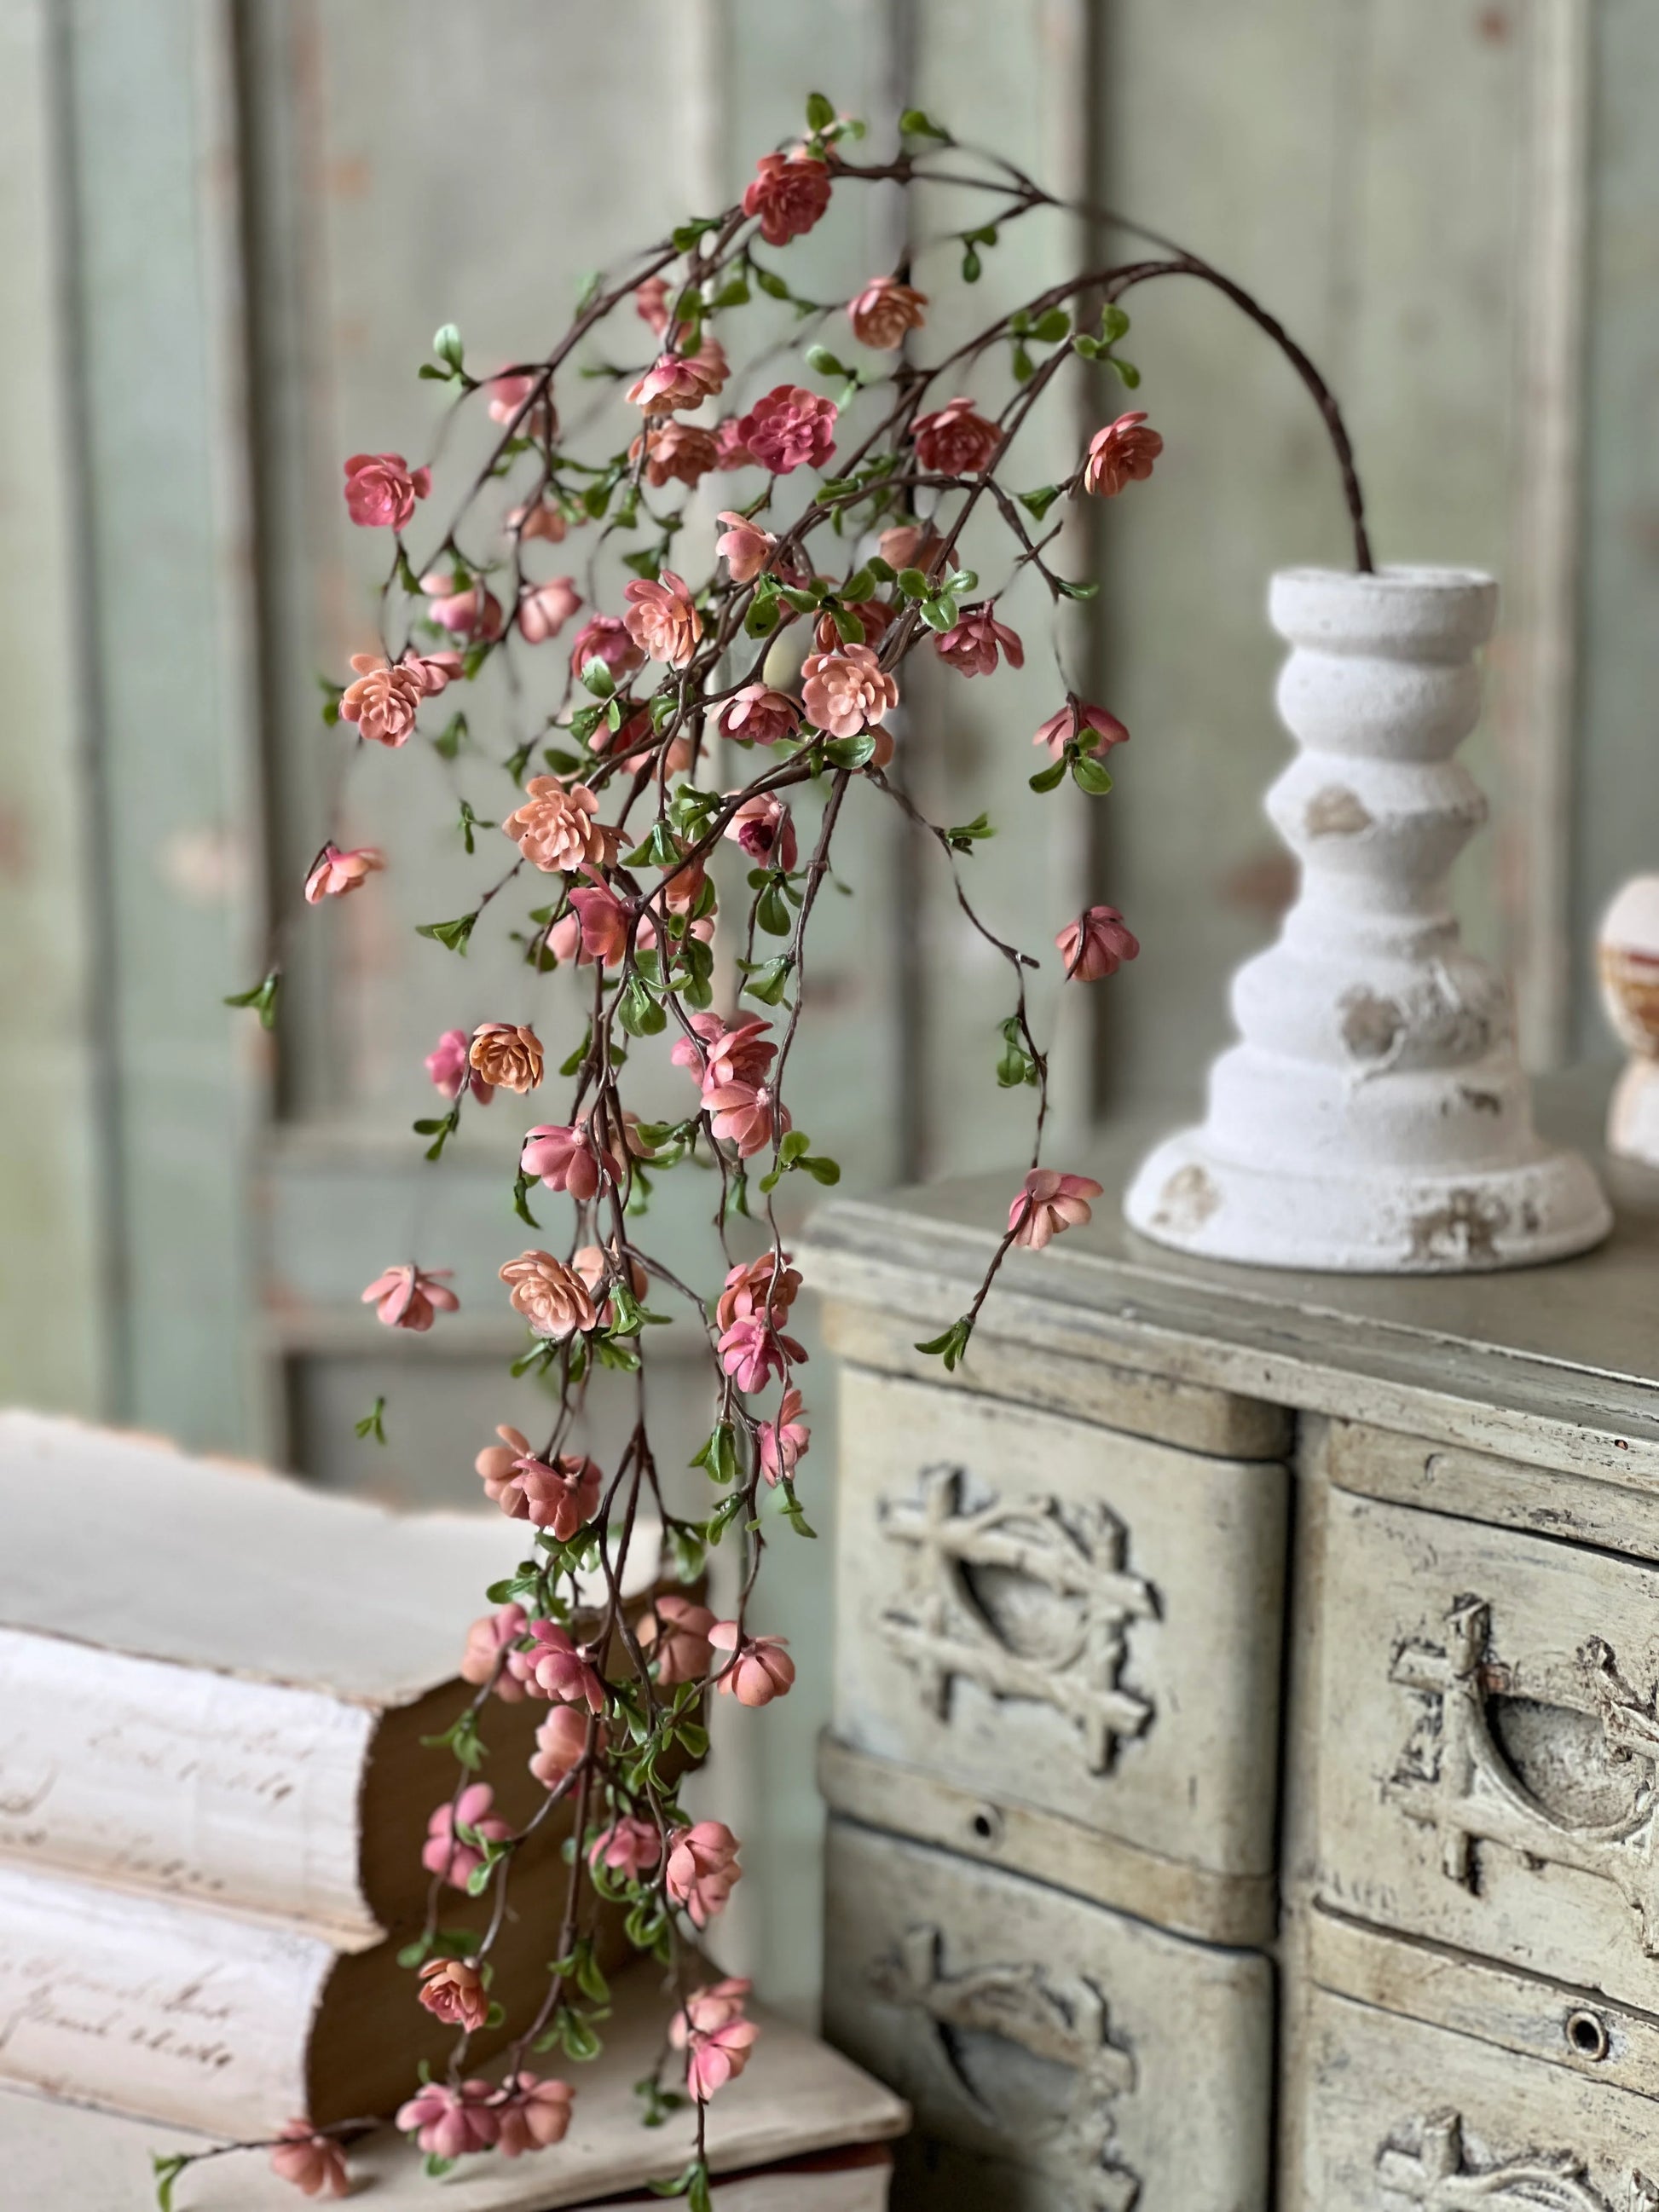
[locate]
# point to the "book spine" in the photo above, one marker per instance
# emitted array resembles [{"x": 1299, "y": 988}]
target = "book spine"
[
  {"x": 166, "y": 2011},
  {"x": 183, "y": 1782}
]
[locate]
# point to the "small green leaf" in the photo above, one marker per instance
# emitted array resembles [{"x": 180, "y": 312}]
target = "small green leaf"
[
  {"x": 771, "y": 283},
  {"x": 1091, "y": 775},
  {"x": 964, "y": 836},
  {"x": 447, "y": 345},
  {"x": 1087, "y": 349},
  {"x": 1038, "y": 503},
  {"x": 1024, "y": 367},
  {"x": 820, "y": 358},
  {"x": 262, "y": 998},
  {"x": 1077, "y": 590},
  {"x": 166, "y": 2170},
  {"x": 598, "y": 679},
  {"x": 850, "y": 752},
  {"x": 638, "y": 1011},
  {"x": 686, "y": 237},
  {"x": 972, "y": 267},
  {"x": 767, "y": 980},
  {"x": 1113, "y": 322},
  {"x": 914, "y": 123},
  {"x": 1052, "y": 327},
  {"x": 451, "y": 935},
  {"x": 450, "y": 739},
  {"x": 1128, "y": 371},
  {"x": 914, "y": 584},
  {"x": 1048, "y": 778},
  {"x": 374, "y": 1422},
  {"x": 951, "y": 1347},
  {"x": 819, "y": 113}
]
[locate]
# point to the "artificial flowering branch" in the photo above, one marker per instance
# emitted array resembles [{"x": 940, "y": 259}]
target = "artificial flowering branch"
[{"x": 692, "y": 717}]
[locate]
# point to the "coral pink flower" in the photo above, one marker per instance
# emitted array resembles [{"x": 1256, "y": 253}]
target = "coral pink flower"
[
  {"x": 566, "y": 1157},
  {"x": 561, "y": 1742},
  {"x": 556, "y": 827},
  {"x": 789, "y": 193},
  {"x": 765, "y": 830},
  {"x": 489, "y": 1637},
  {"x": 674, "y": 1633},
  {"x": 507, "y": 1055},
  {"x": 533, "y": 2115},
  {"x": 729, "y": 451},
  {"x": 605, "y": 637},
  {"x": 455, "y": 1991},
  {"x": 734, "y": 1054},
  {"x": 790, "y": 429},
  {"x": 743, "y": 545},
  {"x": 411, "y": 1297},
  {"x": 784, "y": 1442},
  {"x": 628, "y": 1847},
  {"x": 661, "y": 618},
  {"x": 766, "y": 1286},
  {"x": 508, "y": 395},
  {"x": 1090, "y": 728},
  {"x": 1121, "y": 453},
  {"x": 383, "y": 701},
  {"x": 678, "y": 379},
  {"x": 470, "y": 610},
  {"x": 970, "y": 646},
  {"x": 715, "y": 2036},
  {"x": 675, "y": 453},
  {"x": 552, "y": 1297},
  {"x": 447, "y": 1851},
  {"x": 702, "y": 1869},
  {"x": 760, "y": 1668},
  {"x": 957, "y": 440},
  {"x": 546, "y": 608},
  {"x": 562, "y": 1495},
  {"x": 651, "y": 303},
  {"x": 381, "y": 489},
  {"x": 752, "y": 1351},
  {"x": 1048, "y": 1202},
  {"x": 496, "y": 1466},
  {"x": 451, "y": 2123},
  {"x": 553, "y": 1667},
  {"x": 449, "y": 1065},
  {"x": 846, "y": 690},
  {"x": 1096, "y": 944},
  {"x": 910, "y": 545},
  {"x": 543, "y": 521},
  {"x": 602, "y": 927},
  {"x": 334, "y": 872},
  {"x": 314, "y": 2164},
  {"x": 884, "y": 311},
  {"x": 745, "y": 1113},
  {"x": 758, "y": 715}
]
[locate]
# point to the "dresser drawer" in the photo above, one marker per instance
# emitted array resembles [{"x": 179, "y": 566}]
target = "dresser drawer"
[
  {"x": 1487, "y": 1748},
  {"x": 1400, "y": 2114},
  {"x": 1057, "y": 1616},
  {"x": 1059, "y": 2058}
]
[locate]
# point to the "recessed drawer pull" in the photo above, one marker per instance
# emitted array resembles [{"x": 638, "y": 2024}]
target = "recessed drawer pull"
[
  {"x": 1472, "y": 1793},
  {"x": 1440, "y": 2176}
]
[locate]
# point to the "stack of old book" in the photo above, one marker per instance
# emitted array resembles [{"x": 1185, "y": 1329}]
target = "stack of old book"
[{"x": 215, "y": 1684}]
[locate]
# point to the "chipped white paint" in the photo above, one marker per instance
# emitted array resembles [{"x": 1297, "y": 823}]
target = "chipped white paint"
[
  {"x": 1628, "y": 952},
  {"x": 1375, "y": 1116}
]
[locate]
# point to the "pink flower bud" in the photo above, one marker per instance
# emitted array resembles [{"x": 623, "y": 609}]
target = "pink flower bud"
[
  {"x": 453, "y": 1989},
  {"x": 450, "y": 1065},
  {"x": 1047, "y": 1203},
  {"x": 1096, "y": 944},
  {"x": 760, "y": 1668},
  {"x": 448, "y": 1853},
  {"x": 884, "y": 311},
  {"x": 970, "y": 646},
  {"x": 1123, "y": 452},
  {"x": 411, "y": 1297},
  {"x": 532, "y": 2115},
  {"x": 314, "y": 2164},
  {"x": 449, "y": 2123},
  {"x": 702, "y": 1869},
  {"x": 1091, "y": 729},
  {"x": 956, "y": 441},
  {"x": 546, "y": 608},
  {"x": 336, "y": 872}
]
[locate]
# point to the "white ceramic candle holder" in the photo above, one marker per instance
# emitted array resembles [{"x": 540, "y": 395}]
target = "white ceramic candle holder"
[
  {"x": 1374, "y": 1116},
  {"x": 1627, "y": 953}
]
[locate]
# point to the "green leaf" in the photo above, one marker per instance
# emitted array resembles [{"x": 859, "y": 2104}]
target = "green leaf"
[
  {"x": 1024, "y": 367},
  {"x": 951, "y": 1347},
  {"x": 914, "y": 584},
  {"x": 820, "y": 358},
  {"x": 819, "y": 113},
  {"x": 450, "y": 739},
  {"x": 436, "y": 375},
  {"x": 1077, "y": 590},
  {"x": 451, "y": 935},
  {"x": 972, "y": 267},
  {"x": 1053, "y": 326},
  {"x": 639, "y": 1012},
  {"x": 1128, "y": 371},
  {"x": 767, "y": 980},
  {"x": 1091, "y": 775},
  {"x": 1015, "y": 1065},
  {"x": 166, "y": 2170},
  {"x": 850, "y": 752},
  {"x": 435, "y": 2168},
  {"x": 598, "y": 679},
  {"x": 1038, "y": 503},
  {"x": 686, "y": 237},
  {"x": 374, "y": 1422},
  {"x": 821, "y": 1170},
  {"x": 733, "y": 294},
  {"x": 963, "y": 837},
  {"x": 940, "y": 614},
  {"x": 914, "y": 123},
  {"x": 262, "y": 998},
  {"x": 659, "y": 850},
  {"x": 1048, "y": 778},
  {"x": 860, "y": 586},
  {"x": 771, "y": 283},
  {"x": 1088, "y": 348},
  {"x": 521, "y": 1189},
  {"x": 1113, "y": 322},
  {"x": 570, "y": 1065},
  {"x": 447, "y": 345},
  {"x": 719, "y": 1457}
]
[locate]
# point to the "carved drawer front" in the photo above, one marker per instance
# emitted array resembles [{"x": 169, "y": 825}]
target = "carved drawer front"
[
  {"x": 1400, "y": 2115},
  {"x": 1487, "y": 1744},
  {"x": 1059, "y": 2058},
  {"x": 1054, "y": 1615}
]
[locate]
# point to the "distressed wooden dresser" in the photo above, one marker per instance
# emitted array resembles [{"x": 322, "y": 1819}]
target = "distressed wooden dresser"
[{"x": 1242, "y": 1775}]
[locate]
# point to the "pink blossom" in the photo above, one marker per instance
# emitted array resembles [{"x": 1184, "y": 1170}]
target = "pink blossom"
[
  {"x": 1091, "y": 729},
  {"x": 715, "y": 2036},
  {"x": 1048, "y": 1202},
  {"x": 546, "y": 609},
  {"x": 970, "y": 644},
  {"x": 470, "y": 610},
  {"x": 496, "y": 1467},
  {"x": 1096, "y": 944},
  {"x": 679, "y": 379},
  {"x": 760, "y": 1668},
  {"x": 1121, "y": 453},
  {"x": 675, "y": 1635},
  {"x": 661, "y": 618},
  {"x": 449, "y": 1065},
  {"x": 433, "y": 671},
  {"x": 627, "y": 1847},
  {"x": 605, "y": 637},
  {"x": 560, "y": 1744},
  {"x": 384, "y": 701},
  {"x": 789, "y": 193},
  {"x": 846, "y": 690},
  {"x": 884, "y": 311},
  {"x": 534, "y": 2114},
  {"x": 450, "y": 2123},
  {"x": 876, "y": 615},
  {"x": 675, "y": 453},
  {"x": 552, "y": 1297},
  {"x": 729, "y": 451},
  {"x": 910, "y": 545},
  {"x": 553, "y": 1667},
  {"x": 602, "y": 922},
  {"x": 766, "y": 1286},
  {"x": 651, "y": 303},
  {"x": 702, "y": 1869},
  {"x": 561, "y": 1495},
  {"x": 765, "y": 830},
  {"x": 508, "y": 395},
  {"x": 489, "y": 1637},
  {"x": 746, "y": 1113},
  {"x": 314, "y": 2164},
  {"x": 790, "y": 429},
  {"x": 566, "y": 1157},
  {"x": 381, "y": 489},
  {"x": 543, "y": 521},
  {"x": 454, "y": 1990},
  {"x": 784, "y": 1442},
  {"x": 752, "y": 1351},
  {"x": 745, "y": 547},
  {"x": 957, "y": 440},
  {"x": 411, "y": 1297},
  {"x": 758, "y": 715},
  {"x": 336, "y": 872},
  {"x": 447, "y": 1851},
  {"x": 556, "y": 828}
]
